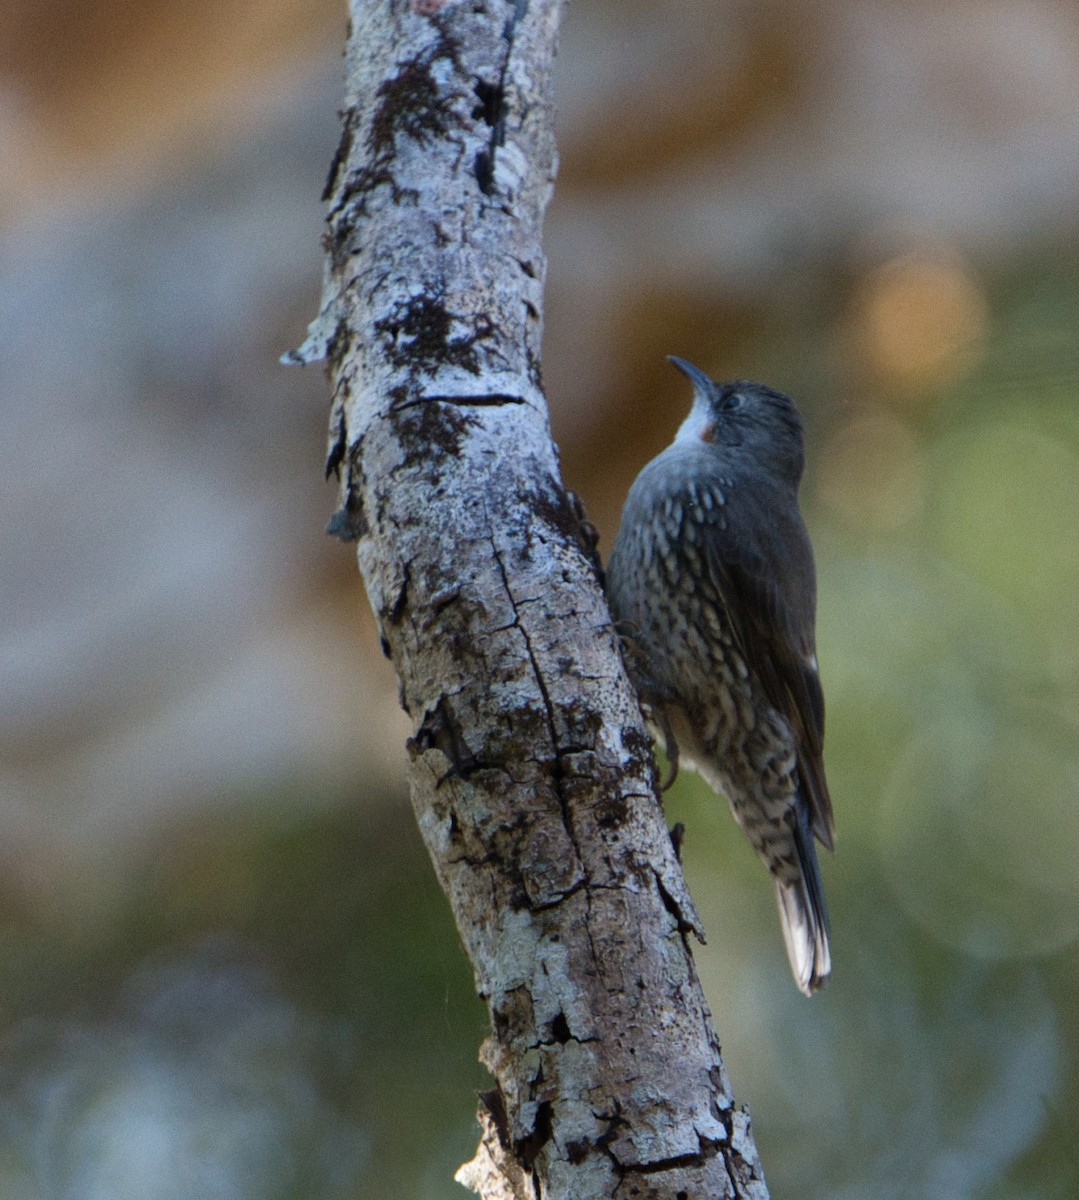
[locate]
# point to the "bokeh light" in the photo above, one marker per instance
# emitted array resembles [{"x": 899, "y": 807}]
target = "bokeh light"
[
  {"x": 870, "y": 474},
  {"x": 922, "y": 321}
]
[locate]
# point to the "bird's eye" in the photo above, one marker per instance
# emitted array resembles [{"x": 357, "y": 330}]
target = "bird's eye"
[{"x": 734, "y": 402}]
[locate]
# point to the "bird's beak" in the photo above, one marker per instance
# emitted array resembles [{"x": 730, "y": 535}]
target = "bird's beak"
[
  {"x": 700, "y": 425},
  {"x": 695, "y": 375}
]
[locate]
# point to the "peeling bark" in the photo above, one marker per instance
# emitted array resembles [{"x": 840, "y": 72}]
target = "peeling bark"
[{"x": 531, "y": 771}]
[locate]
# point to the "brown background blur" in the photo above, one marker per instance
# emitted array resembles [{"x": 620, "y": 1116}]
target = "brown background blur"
[{"x": 225, "y": 970}]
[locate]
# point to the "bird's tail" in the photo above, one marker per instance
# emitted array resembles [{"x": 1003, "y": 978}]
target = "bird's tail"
[{"x": 804, "y": 913}]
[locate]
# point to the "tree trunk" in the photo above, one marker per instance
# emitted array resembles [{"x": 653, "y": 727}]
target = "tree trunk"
[{"x": 530, "y": 769}]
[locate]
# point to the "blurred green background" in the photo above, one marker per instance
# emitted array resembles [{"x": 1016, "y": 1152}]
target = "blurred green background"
[{"x": 225, "y": 967}]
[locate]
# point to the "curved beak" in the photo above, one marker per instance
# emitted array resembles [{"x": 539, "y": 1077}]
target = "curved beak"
[{"x": 695, "y": 375}]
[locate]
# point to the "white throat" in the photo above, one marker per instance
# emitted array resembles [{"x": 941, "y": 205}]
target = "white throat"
[{"x": 695, "y": 425}]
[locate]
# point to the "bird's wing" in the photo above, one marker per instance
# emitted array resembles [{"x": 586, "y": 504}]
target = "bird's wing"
[{"x": 761, "y": 564}]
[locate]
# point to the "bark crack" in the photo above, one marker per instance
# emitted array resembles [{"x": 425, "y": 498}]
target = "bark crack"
[
  {"x": 558, "y": 777},
  {"x": 487, "y": 400}
]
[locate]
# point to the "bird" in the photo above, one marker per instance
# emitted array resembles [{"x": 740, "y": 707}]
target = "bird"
[{"x": 712, "y": 585}]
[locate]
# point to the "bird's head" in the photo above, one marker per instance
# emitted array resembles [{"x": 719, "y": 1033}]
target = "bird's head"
[{"x": 748, "y": 419}]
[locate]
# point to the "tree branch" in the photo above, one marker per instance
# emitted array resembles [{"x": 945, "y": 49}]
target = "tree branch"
[{"x": 531, "y": 771}]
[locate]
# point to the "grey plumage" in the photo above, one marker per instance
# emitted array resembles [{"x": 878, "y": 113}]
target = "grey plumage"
[{"x": 711, "y": 581}]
